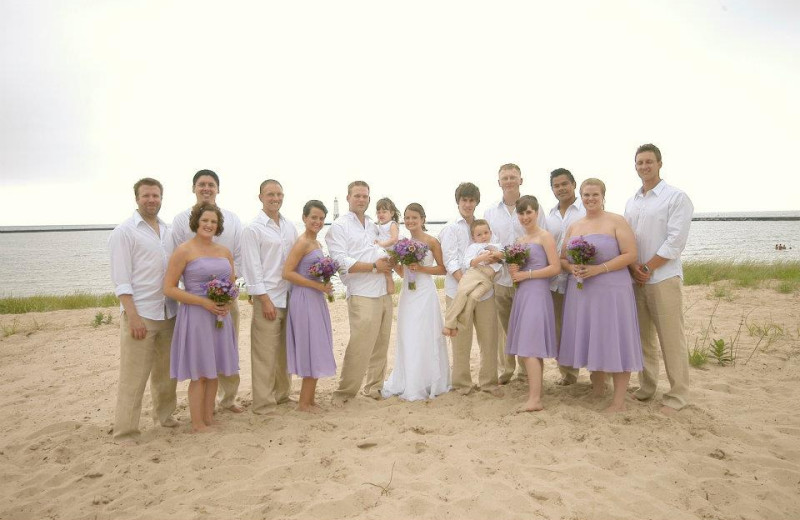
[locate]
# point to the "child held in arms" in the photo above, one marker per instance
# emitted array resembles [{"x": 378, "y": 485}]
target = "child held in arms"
[{"x": 484, "y": 260}]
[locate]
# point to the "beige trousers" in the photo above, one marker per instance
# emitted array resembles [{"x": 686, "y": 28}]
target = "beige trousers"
[
  {"x": 475, "y": 283},
  {"x": 140, "y": 359},
  {"x": 567, "y": 373},
  {"x": 660, "y": 310},
  {"x": 229, "y": 385},
  {"x": 270, "y": 376},
  {"x": 484, "y": 319},
  {"x": 370, "y": 328},
  {"x": 504, "y": 300}
]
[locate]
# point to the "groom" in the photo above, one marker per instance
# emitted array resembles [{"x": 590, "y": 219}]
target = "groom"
[{"x": 362, "y": 269}]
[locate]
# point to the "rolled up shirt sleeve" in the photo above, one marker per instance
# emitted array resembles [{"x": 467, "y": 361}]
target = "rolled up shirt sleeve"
[
  {"x": 120, "y": 247},
  {"x": 337, "y": 247},
  {"x": 449, "y": 241},
  {"x": 251, "y": 263},
  {"x": 679, "y": 219}
]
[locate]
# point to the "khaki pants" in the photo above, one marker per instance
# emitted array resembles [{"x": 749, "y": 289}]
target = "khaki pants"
[
  {"x": 568, "y": 374},
  {"x": 475, "y": 283},
  {"x": 504, "y": 299},
  {"x": 229, "y": 385},
  {"x": 370, "y": 328},
  {"x": 270, "y": 377},
  {"x": 660, "y": 310},
  {"x": 484, "y": 319},
  {"x": 139, "y": 360}
]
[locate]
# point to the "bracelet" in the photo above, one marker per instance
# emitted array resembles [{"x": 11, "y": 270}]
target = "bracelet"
[{"x": 604, "y": 265}]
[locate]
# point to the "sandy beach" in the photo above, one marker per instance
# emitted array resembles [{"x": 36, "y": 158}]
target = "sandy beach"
[{"x": 734, "y": 453}]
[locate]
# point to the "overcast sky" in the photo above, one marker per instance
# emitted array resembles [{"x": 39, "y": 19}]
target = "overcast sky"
[{"x": 413, "y": 97}]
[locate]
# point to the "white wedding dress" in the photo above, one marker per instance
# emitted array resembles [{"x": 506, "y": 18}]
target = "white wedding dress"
[{"x": 421, "y": 365}]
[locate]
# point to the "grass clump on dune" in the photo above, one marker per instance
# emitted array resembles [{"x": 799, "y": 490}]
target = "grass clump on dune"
[
  {"x": 743, "y": 274},
  {"x": 21, "y": 305}
]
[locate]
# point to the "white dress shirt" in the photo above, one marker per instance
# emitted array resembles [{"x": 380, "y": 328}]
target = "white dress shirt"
[
  {"x": 139, "y": 258},
  {"x": 660, "y": 220},
  {"x": 231, "y": 236},
  {"x": 506, "y": 229},
  {"x": 349, "y": 242},
  {"x": 558, "y": 226},
  {"x": 265, "y": 247}
]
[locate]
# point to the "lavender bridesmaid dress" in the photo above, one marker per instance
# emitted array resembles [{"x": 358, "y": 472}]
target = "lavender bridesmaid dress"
[
  {"x": 600, "y": 330},
  {"x": 199, "y": 348},
  {"x": 309, "y": 337},
  {"x": 532, "y": 323}
]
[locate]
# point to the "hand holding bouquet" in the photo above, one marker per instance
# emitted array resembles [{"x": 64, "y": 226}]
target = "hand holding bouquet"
[
  {"x": 406, "y": 252},
  {"x": 516, "y": 254},
  {"x": 580, "y": 252},
  {"x": 324, "y": 269},
  {"x": 221, "y": 292}
]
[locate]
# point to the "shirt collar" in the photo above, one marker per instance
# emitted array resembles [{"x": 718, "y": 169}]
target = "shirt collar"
[
  {"x": 661, "y": 186},
  {"x": 138, "y": 219},
  {"x": 577, "y": 205}
]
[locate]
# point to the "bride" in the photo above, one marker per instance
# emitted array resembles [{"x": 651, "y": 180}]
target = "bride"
[{"x": 421, "y": 368}]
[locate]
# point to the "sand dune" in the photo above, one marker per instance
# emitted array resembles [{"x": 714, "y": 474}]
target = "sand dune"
[{"x": 735, "y": 453}]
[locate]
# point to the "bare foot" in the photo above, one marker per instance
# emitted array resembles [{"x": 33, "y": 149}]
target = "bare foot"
[
  {"x": 211, "y": 422},
  {"x": 565, "y": 382},
  {"x": 666, "y": 410},
  {"x": 308, "y": 408},
  {"x": 615, "y": 408},
  {"x": 170, "y": 422},
  {"x": 450, "y": 333},
  {"x": 531, "y": 406},
  {"x": 338, "y": 402},
  {"x": 201, "y": 429},
  {"x": 235, "y": 408}
]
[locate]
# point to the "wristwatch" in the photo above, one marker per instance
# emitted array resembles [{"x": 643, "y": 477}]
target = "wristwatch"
[
  {"x": 374, "y": 267},
  {"x": 645, "y": 268}
]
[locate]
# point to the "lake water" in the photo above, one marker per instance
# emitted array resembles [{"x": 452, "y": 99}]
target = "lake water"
[{"x": 66, "y": 262}]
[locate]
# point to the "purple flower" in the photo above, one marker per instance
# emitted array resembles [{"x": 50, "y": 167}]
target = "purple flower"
[
  {"x": 221, "y": 291},
  {"x": 408, "y": 251},
  {"x": 580, "y": 252},
  {"x": 324, "y": 269}
]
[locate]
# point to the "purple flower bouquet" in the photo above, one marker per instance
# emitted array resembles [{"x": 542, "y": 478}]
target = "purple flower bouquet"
[
  {"x": 324, "y": 269},
  {"x": 580, "y": 252},
  {"x": 221, "y": 291},
  {"x": 516, "y": 254},
  {"x": 408, "y": 251}
]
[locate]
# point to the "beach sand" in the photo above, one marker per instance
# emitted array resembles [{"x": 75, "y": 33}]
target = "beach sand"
[{"x": 734, "y": 453}]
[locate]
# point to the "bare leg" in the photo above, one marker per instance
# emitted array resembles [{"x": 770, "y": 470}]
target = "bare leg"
[
  {"x": 620, "y": 387},
  {"x": 307, "y": 390},
  {"x": 534, "y": 367},
  {"x": 197, "y": 396},
  {"x": 598, "y": 383},
  {"x": 209, "y": 402}
]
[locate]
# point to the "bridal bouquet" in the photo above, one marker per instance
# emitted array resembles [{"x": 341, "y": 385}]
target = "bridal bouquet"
[
  {"x": 221, "y": 291},
  {"x": 408, "y": 251},
  {"x": 516, "y": 254},
  {"x": 580, "y": 252},
  {"x": 324, "y": 269}
]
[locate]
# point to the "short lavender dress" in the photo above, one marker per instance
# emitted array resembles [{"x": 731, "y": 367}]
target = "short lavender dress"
[
  {"x": 600, "y": 330},
  {"x": 532, "y": 323},
  {"x": 309, "y": 337},
  {"x": 199, "y": 348}
]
